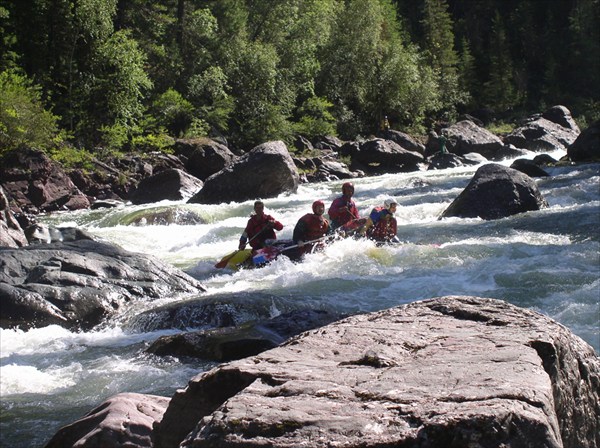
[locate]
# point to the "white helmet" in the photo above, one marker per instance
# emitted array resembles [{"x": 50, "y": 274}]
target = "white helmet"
[{"x": 389, "y": 201}]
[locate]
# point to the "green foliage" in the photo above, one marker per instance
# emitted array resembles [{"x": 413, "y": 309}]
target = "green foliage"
[
  {"x": 111, "y": 94},
  {"x": 173, "y": 112},
  {"x": 500, "y": 88},
  {"x": 442, "y": 58},
  {"x": 500, "y": 127},
  {"x": 71, "y": 157},
  {"x": 160, "y": 141},
  {"x": 208, "y": 91},
  {"x": 132, "y": 74},
  {"x": 23, "y": 119},
  {"x": 315, "y": 118},
  {"x": 370, "y": 71}
]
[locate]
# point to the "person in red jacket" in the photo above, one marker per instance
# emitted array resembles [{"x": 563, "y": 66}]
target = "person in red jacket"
[
  {"x": 260, "y": 227},
  {"x": 343, "y": 209},
  {"x": 310, "y": 227},
  {"x": 381, "y": 225}
]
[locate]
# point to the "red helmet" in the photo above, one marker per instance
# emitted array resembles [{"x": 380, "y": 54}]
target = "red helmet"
[
  {"x": 347, "y": 185},
  {"x": 317, "y": 203}
]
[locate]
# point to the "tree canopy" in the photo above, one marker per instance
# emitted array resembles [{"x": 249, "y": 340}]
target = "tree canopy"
[{"x": 114, "y": 73}]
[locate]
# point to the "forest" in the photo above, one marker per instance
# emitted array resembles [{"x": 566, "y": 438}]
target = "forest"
[{"x": 109, "y": 76}]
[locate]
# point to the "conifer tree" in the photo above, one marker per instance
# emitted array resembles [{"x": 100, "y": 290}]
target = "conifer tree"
[{"x": 438, "y": 38}]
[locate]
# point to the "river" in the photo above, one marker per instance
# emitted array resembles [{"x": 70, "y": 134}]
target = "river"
[{"x": 547, "y": 261}]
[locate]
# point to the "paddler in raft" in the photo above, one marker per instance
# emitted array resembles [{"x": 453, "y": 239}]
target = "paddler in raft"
[
  {"x": 260, "y": 228},
  {"x": 381, "y": 225},
  {"x": 312, "y": 226},
  {"x": 343, "y": 213}
]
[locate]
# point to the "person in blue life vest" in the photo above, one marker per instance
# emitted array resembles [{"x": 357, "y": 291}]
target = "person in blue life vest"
[
  {"x": 381, "y": 225},
  {"x": 260, "y": 228},
  {"x": 310, "y": 227},
  {"x": 343, "y": 209}
]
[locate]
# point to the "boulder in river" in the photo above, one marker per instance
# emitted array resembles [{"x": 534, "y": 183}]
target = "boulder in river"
[
  {"x": 124, "y": 420},
  {"x": 170, "y": 184},
  {"x": 494, "y": 192},
  {"x": 452, "y": 371},
  {"x": 80, "y": 283},
  {"x": 266, "y": 171},
  {"x": 586, "y": 148}
]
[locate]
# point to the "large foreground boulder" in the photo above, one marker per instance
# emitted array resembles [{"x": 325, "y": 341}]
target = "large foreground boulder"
[
  {"x": 80, "y": 283},
  {"x": 266, "y": 171},
  {"x": 494, "y": 192},
  {"x": 447, "y": 372},
  {"x": 124, "y": 420}
]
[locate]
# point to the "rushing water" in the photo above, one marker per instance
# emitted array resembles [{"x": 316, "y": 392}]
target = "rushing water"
[{"x": 546, "y": 260}]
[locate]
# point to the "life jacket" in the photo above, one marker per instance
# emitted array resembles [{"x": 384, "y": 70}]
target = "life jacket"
[
  {"x": 312, "y": 227},
  {"x": 385, "y": 228},
  {"x": 255, "y": 225},
  {"x": 342, "y": 211}
]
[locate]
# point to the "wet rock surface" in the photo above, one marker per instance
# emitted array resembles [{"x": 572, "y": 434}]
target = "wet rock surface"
[{"x": 452, "y": 371}]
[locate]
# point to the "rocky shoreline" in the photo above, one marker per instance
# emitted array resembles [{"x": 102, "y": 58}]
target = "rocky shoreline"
[{"x": 205, "y": 171}]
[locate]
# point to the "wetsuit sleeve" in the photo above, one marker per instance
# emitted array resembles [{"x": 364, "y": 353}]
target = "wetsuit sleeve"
[
  {"x": 277, "y": 225},
  {"x": 299, "y": 231},
  {"x": 334, "y": 210}
]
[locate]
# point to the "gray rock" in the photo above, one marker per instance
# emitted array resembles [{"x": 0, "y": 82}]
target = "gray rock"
[
  {"x": 561, "y": 116},
  {"x": 540, "y": 134},
  {"x": 205, "y": 157},
  {"x": 334, "y": 168},
  {"x": 404, "y": 140},
  {"x": 586, "y": 147},
  {"x": 124, "y": 420},
  {"x": 388, "y": 154},
  {"x": 266, "y": 171},
  {"x": 440, "y": 161},
  {"x": 80, "y": 283},
  {"x": 170, "y": 184},
  {"x": 465, "y": 137},
  {"x": 251, "y": 338},
  {"x": 494, "y": 192},
  {"x": 528, "y": 167},
  {"x": 11, "y": 233},
  {"x": 452, "y": 371},
  {"x": 544, "y": 160},
  {"x": 40, "y": 233},
  {"x": 34, "y": 183}
]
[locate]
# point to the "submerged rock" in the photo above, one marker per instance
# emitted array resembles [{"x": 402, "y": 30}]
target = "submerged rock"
[
  {"x": 251, "y": 338},
  {"x": 453, "y": 371}
]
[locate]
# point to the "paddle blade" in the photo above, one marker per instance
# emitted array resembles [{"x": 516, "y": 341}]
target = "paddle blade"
[{"x": 223, "y": 263}]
